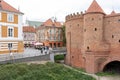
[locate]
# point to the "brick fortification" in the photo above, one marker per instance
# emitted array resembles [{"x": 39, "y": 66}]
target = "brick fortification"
[{"x": 93, "y": 38}]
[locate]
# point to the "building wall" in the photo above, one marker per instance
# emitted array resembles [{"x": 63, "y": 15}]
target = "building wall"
[
  {"x": 93, "y": 40},
  {"x": 112, "y": 31},
  {"x": 29, "y": 37},
  {"x": 17, "y": 38},
  {"x": 50, "y": 35},
  {"x": 75, "y": 41}
]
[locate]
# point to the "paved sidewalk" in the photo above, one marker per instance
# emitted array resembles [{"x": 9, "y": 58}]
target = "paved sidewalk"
[{"x": 28, "y": 52}]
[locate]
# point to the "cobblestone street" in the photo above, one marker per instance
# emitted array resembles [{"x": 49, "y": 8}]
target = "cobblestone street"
[{"x": 28, "y": 52}]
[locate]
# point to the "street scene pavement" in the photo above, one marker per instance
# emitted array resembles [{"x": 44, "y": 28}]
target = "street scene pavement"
[{"x": 28, "y": 52}]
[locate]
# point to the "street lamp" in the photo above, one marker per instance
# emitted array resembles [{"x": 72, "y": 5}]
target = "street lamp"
[{"x": 10, "y": 53}]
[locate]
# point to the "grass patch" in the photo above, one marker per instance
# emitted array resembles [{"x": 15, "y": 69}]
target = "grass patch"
[
  {"x": 58, "y": 58},
  {"x": 106, "y": 73},
  {"x": 80, "y": 69},
  {"x": 49, "y": 71}
]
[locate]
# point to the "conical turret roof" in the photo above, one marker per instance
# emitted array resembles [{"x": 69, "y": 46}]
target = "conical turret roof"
[
  {"x": 113, "y": 12},
  {"x": 94, "y": 7}
]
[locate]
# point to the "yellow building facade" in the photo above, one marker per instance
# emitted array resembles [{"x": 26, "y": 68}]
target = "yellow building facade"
[{"x": 11, "y": 38}]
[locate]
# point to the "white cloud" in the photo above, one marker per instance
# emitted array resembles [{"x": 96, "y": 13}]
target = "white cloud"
[{"x": 44, "y": 9}]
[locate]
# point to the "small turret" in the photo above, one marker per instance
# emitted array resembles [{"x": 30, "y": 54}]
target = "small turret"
[
  {"x": 93, "y": 27},
  {"x": 94, "y": 7}
]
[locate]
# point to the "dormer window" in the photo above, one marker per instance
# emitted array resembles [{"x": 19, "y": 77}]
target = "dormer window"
[{"x": 10, "y": 18}]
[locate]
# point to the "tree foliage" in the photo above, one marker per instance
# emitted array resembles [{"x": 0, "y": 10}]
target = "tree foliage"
[{"x": 64, "y": 35}]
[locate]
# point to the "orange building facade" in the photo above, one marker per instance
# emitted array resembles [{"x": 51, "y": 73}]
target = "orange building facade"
[
  {"x": 93, "y": 39},
  {"x": 50, "y": 34},
  {"x": 10, "y": 29}
]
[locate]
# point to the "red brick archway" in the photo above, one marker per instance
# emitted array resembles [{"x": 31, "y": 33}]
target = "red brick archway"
[
  {"x": 107, "y": 62},
  {"x": 113, "y": 66}
]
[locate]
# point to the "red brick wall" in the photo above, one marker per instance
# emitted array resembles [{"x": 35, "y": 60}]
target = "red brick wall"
[{"x": 98, "y": 31}]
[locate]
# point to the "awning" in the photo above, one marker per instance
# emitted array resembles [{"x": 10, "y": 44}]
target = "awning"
[{"x": 38, "y": 43}]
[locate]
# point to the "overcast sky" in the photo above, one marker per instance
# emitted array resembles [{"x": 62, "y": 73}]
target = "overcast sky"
[{"x": 43, "y": 9}]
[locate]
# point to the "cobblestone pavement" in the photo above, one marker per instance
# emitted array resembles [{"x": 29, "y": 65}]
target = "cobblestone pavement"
[{"x": 28, "y": 52}]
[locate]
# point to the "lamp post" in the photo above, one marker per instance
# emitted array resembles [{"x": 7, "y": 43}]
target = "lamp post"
[{"x": 10, "y": 53}]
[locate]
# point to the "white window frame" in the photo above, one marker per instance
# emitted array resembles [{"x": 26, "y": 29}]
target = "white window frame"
[
  {"x": 11, "y": 35},
  {"x": 10, "y": 17},
  {"x": 10, "y": 46}
]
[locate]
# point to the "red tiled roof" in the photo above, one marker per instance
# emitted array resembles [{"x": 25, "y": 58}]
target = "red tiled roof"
[
  {"x": 49, "y": 22},
  {"x": 113, "y": 12},
  {"x": 29, "y": 29},
  {"x": 57, "y": 24},
  {"x": 94, "y": 7},
  {"x": 7, "y": 7}
]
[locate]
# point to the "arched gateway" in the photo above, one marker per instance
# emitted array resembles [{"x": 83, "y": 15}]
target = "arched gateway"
[{"x": 113, "y": 66}]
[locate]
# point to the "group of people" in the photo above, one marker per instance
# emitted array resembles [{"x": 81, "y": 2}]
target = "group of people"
[{"x": 45, "y": 49}]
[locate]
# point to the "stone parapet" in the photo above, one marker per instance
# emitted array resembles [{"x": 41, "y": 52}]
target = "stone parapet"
[{"x": 74, "y": 16}]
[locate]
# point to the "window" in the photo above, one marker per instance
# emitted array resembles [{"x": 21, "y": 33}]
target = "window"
[
  {"x": 92, "y": 19},
  {"x": 119, "y": 41},
  {"x": 88, "y": 48},
  {"x": 72, "y": 56},
  {"x": 95, "y": 29},
  {"x": 9, "y": 46},
  {"x": 108, "y": 21},
  {"x": 112, "y": 36},
  {"x": 119, "y": 20},
  {"x": 10, "y": 32},
  {"x": 84, "y": 30},
  {"x": 10, "y": 18},
  {"x": 59, "y": 37}
]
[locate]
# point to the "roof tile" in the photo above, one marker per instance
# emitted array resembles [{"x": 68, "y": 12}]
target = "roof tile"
[
  {"x": 49, "y": 22},
  {"x": 7, "y": 7},
  {"x": 94, "y": 7},
  {"x": 29, "y": 29}
]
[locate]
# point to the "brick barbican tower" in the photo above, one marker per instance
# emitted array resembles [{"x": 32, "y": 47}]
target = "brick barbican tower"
[{"x": 93, "y": 39}]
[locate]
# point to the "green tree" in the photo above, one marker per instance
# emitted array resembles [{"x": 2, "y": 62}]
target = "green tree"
[{"x": 64, "y": 35}]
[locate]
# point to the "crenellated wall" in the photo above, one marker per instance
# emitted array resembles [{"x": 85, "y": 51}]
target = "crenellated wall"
[
  {"x": 74, "y": 16},
  {"x": 74, "y": 33}
]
